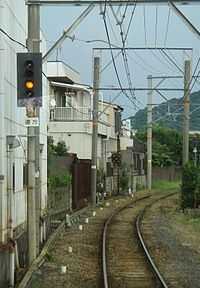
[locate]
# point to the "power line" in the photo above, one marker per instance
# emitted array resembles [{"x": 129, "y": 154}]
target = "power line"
[
  {"x": 156, "y": 25},
  {"x": 174, "y": 58},
  {"x": 195, "y": 79},
  {"x": 130, "y": 21},
  {"x": 113, "y": 60},
  {"x": 123, "y": 39},
  {"x": 145, "y": 32},
  {"x": 110, "y": 62},
  {"x": 115, "y": 36},
  {"x": 160, "y": 60},
  {"x": 126, "y": 61},
  {"x": 167, "y": 28},
  {"x": 172, "y": 61},
  {"x": 124, "y": 14},
  {"x": 12, "y": 39}
]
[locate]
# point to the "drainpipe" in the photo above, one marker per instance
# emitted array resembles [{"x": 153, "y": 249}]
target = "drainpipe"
[
  {"x": 12, "y": 143},
  {"x": 11, "y": 242}
]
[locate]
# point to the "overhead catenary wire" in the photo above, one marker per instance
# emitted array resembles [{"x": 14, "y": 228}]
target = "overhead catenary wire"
[
  {"x": 193, "y": 76},
  {"x": 163, "y": 62},
  {"x": 156, "y": 26},
  {"x": 130, "y": 21},
  {"x": 112, "y": 56},
  {"x": 129, "y": 75},
  {"x": 145, "y": 30},
  {"x": 167, "y": 28},
  {"x": 123, "y": 40},
  {"x": 172, "y": 61},
  {"x": 111, "y": 27}
]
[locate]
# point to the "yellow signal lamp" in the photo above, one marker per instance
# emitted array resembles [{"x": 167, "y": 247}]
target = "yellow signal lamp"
[{"x": 29, "y": 84}]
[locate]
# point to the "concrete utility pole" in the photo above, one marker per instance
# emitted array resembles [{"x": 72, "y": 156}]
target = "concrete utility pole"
[
  {"x": 95, "y": 128},
  {"x": 33, "y": 195},
  {"x": 118, "y": 165},
  {"x": 149, "y": 134},
  {"x": 10, "y": 216},
  {"x": 186, "y": 115}
]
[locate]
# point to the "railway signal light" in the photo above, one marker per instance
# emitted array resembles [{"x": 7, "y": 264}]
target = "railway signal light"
[{"x": 29, "y": 79}]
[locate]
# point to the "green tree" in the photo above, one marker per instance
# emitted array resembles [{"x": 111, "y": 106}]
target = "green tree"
[
  {"x": 190, "y": 186},
  {"x": 61, "y": 149},
  {"x": 166, "y": 144}
]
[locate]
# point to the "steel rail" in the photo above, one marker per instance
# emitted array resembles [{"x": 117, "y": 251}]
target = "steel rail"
[
  {"x": 105, "y": 229},
  {"x": 142, "y": 241}
]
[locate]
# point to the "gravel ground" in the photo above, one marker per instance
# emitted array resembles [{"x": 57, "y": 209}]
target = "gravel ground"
[
  {"x": 174, "y": 244},
  {"x": 83, "y": 269}
]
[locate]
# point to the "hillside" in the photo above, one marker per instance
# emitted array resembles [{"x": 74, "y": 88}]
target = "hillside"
[{"x": 169, "y": 114}]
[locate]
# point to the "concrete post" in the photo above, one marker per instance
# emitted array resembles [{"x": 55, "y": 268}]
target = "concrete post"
[
  {"x": 186, "y": 117},
  {"x": 149, "y": 135},
  {"x": 33, "y": 196},
  {"x": 95, "y": 129}
]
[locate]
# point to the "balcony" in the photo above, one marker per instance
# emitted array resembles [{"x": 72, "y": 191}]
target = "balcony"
[
  {"x": 70, "y": 114},
  {"x": 63, "y": 114}
]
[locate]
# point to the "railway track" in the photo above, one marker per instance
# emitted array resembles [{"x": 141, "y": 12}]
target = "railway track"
[{"x": 126, "y": 261}]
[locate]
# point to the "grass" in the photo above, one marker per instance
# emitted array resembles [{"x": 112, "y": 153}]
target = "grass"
[{"x": 165, "y": 185}]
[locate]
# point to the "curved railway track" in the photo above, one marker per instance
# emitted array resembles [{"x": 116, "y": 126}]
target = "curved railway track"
[{"x": 126, "y": 261}]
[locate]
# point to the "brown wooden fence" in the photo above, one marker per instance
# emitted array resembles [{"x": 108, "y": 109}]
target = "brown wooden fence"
[
  {"x": 166, "y": 173},
  {"x": 81, "y": 178}
]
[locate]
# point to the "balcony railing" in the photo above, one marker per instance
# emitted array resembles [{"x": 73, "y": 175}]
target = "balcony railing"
[
  {"x": 74, "y": 114},
  {"x": 70, "y": 114}
]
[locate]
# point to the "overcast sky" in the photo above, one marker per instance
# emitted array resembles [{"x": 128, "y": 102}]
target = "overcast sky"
[{"x": 78, "y": 54}]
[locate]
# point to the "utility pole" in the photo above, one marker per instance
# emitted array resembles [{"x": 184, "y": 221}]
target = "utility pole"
[
  {"x": 10, "y": 216},
  {"x": 118, "y": 164},
  {"x": 149, "y": 134},
  {"x": 186, "y": 117},
  {"x": 95, "y": 128},
  {"x": 33, "y": 195}
]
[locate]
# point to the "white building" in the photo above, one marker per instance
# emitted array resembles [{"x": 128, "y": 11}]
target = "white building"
[
  {"x": 71, "y": 115},
  {"x": 13, "y": 20}
]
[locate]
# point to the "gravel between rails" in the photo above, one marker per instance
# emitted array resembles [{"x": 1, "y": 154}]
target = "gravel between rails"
[
  {"x": 177, "y": 261},
  {"x": 127, "y": 264}
]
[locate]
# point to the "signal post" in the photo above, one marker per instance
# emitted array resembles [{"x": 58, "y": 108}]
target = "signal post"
[
  {"x": 29, "y": 72},
  {"x": 33, "y": 43}
]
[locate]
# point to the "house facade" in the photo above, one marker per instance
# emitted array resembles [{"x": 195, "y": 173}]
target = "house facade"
[
  {"x": 70, "y": 116},
  {"x": 13, "y": 133}
]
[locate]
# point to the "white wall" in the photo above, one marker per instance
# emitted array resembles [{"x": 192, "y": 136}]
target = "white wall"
[
  {"x": 60, "y": 69},
  {"x": 125, "y": 142},
  {"x": 77, "y": 136}
]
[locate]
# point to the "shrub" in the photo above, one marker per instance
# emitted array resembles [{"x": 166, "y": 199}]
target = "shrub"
[
  {"x": 59, "y": 180},
  {"x": 61, "y": 149},
  {"x": 190, "y": 186},
  {"x": 124, "y": 178}
]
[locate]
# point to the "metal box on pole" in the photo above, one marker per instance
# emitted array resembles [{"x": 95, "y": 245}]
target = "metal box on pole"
[{"x": 29, "y": 79}]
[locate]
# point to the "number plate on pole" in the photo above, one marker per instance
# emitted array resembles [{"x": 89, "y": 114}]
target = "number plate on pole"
[{"x": 32, "y": 122}]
